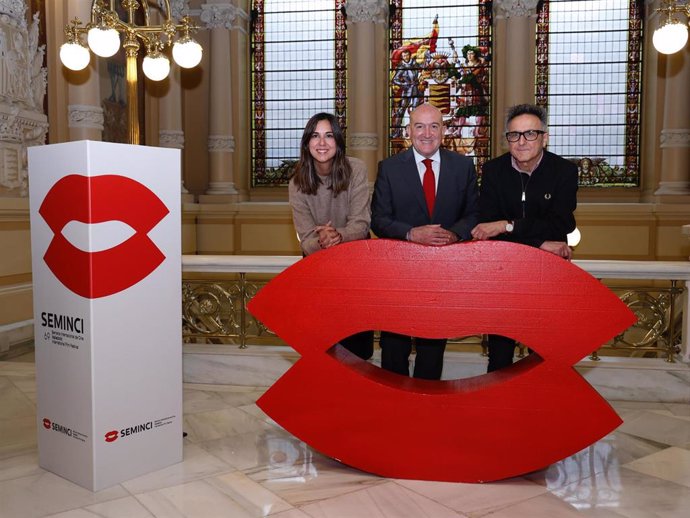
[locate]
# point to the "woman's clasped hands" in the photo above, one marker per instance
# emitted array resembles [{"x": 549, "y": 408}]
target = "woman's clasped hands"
[{"x": 328, "y": 235}]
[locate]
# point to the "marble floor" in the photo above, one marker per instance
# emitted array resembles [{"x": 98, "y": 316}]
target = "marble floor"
[{"x": 238, "y": 463}]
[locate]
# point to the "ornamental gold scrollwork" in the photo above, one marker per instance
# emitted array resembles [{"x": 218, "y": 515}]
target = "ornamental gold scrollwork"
[
  {"x": 657, "y": 312},
  {"x": 216, "y": 311},
  {"x": 255, "y": 327},
  {"x": 210, "y": 309},
  {"x": 652, "y": 318}
]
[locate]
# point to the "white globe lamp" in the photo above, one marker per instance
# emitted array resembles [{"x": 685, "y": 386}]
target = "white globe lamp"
[
  {"x": 187, "y": 52},
  {"x": 156, "y": 66},
  {"x": 670, "y": 37},
  {"x": 74, "y": 55},
  {"x": 103, "y": 42}
]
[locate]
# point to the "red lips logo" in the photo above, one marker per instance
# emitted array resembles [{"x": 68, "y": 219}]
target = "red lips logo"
[
  {"x": 96, "y": 200},
  {"x": 46, "y": 423},
  {"x": 485, "y": 428},
  {"x": 111, "y": 436}
]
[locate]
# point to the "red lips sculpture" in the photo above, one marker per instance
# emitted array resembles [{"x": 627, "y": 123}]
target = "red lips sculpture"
[{"x": 477, "y": 429}]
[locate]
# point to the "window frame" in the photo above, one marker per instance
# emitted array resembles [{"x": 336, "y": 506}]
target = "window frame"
[
  {"x": 261, "y": 175},
  {"x": 629, "y": 174}
]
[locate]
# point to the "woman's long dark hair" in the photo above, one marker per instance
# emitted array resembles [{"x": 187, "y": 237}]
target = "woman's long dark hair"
[{"x": 305, "y": 176}]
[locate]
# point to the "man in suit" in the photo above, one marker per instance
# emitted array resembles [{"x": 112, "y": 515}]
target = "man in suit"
[
  {"x": 528, "y": 196},
  {"x": 426, "y": 195}
]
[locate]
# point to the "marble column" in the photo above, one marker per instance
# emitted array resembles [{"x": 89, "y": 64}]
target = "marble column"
[
  {"x": 675, "y": 135},
  {"x": 84, "y": 111},
  {"x": 219, "y": 18},
  {"x": 362, "y": 18},
  {"x": 515, "y": 21},
  {"x": 170, "y": 132}
]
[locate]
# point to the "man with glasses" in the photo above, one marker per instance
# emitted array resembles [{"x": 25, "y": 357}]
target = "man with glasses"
[{"x": 527, "y": 196}]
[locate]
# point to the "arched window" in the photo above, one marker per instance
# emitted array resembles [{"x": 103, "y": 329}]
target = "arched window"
[
  {"x": 440, "y": 53},
  {"x": 589, "y": 56},
  {"x": 298, "y": 69}
]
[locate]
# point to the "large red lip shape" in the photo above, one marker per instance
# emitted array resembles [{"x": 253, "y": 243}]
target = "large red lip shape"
[
  {"x": 99, "y": 199},
  {"x": 478, "y": 429}
]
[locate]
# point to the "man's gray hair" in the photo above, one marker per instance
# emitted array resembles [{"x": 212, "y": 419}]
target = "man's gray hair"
[{"x": 527, "y": 109}]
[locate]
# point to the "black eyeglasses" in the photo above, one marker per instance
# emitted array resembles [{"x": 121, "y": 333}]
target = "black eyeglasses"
[{"x": 530, "y": 135}]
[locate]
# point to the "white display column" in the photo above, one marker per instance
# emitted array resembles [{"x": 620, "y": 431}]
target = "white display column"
[
  {"x": 219, "y": 18},
  {"x": 105, "y": 239}
]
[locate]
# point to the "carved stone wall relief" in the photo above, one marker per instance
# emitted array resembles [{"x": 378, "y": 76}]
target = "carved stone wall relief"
[{"x": 23, "y": 81}]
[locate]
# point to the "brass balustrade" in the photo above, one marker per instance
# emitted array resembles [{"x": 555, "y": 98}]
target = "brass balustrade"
[
  {"x": 656, "y": 332},
  {"x": 214, "y": 310},
  {"x": 216, "y": 290}
]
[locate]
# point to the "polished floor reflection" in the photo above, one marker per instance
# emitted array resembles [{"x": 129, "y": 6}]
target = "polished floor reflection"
[{"x": 238, "y": 463}]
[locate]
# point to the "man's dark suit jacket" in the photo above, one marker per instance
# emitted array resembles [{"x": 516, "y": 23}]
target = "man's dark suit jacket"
[{"x": 398, "y": 202}]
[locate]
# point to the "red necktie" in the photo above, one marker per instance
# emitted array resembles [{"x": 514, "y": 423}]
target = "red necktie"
[{"x": 429, "y": 185}]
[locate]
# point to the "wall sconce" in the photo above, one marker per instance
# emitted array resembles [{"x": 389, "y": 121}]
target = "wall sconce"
[
  {"x": 672, "y": 34},
  {"x": 103, "y": 37}
]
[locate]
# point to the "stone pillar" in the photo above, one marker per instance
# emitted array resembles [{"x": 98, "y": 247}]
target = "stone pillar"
[
  {"x": 362, "y": 17},
  {"x": 84, "y": 111},
  {"x": 515, "y": 20},
  {"x": 240, "y": 42},
  {"x": 219, "y": 18},
  {"x": 675, "y": 135},
  {"x": 170, "y": 133}
]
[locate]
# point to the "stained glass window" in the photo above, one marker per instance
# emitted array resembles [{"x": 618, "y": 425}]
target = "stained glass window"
[
  {"x": 440, "y": 53},
  {"x": 588, "y": 77},
  {"x": 298, "y": 69}
]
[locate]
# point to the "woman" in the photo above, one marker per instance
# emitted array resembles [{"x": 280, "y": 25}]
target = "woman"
[{"x": 329, "y": 197}]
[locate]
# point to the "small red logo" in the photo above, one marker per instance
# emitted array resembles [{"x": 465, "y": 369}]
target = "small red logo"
[
  {"x": 46, "y": 423},
  {"x": 96, "y": 200},
  {"x": 111, "y": 436}
]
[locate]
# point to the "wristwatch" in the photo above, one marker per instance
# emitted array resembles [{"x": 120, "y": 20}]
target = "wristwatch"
[{"x": 509, "y": 227}]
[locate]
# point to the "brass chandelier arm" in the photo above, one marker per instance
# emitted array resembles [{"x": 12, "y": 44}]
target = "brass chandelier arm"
[
  {"x": 672, "y": 33},
  {"x": 111, "y": 20},
  {"x": 105, "y": 19},
  {"x": 672, "y": 7}
]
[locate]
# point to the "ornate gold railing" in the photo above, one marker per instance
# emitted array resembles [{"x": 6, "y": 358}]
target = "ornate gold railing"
[
  {"x": 216, "y": 289},
  {"x": 659, "y": 320},
  {"x": 215, "y": 292},
  {"x": 215, "y": 310}
]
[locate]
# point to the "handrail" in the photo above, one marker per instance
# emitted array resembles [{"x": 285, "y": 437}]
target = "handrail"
[
  {"x": 662, "y": 270},
  {"x": 238, "y": 263}
]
